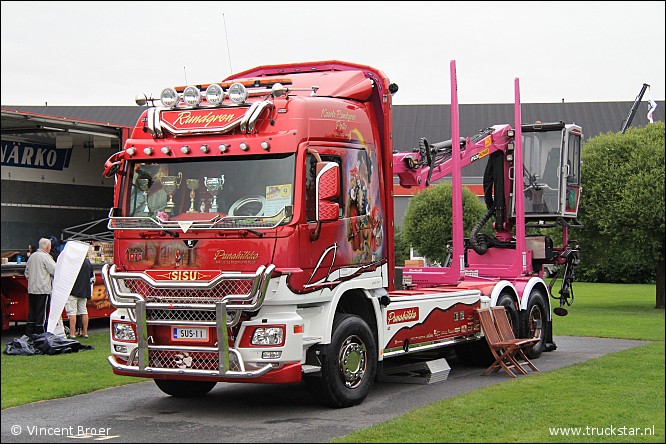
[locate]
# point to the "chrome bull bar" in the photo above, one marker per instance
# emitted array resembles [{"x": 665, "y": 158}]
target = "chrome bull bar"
[
  {"x": 141, "y": 354},
  {"x": 126, "y": 298},
  {"x": 144, "y": 353}
]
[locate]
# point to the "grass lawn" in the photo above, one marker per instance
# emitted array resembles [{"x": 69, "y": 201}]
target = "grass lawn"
[
  {"x": 620, "y": 393},
  {"x": 33, "y": 378},
  {"x": 624, "y": 389}
]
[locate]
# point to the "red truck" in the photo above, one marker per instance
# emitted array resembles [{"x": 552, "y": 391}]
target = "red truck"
[
  {"x": 253, "y": 238},
  {"x": 15, "y": 296}
]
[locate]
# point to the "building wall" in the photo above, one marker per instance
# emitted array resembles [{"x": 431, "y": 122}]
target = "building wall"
[{"x": 41, "y": 202}]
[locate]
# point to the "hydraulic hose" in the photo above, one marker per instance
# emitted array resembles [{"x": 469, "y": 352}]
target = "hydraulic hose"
[{"x": 479, "y": 242}]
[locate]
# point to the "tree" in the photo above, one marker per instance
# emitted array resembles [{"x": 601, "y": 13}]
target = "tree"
[
  {"x": 622, "y": 206},
  {"x": 427, "y": 222},
  {"x": 400, "y": 247}
]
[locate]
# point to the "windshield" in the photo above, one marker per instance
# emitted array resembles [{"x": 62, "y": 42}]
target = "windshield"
[
  {"x": 541, "y": 171},
  {"x": 201, "y": 189}
]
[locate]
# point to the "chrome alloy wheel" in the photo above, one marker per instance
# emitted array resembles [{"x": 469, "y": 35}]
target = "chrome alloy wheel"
[{"x": 352, "y": 359}]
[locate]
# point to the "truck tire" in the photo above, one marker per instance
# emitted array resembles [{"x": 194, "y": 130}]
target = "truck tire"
[
  {"x": 475, "y": 353},
  {"x": 533, "y": 322},
  {"x": 509, "y": 303},
  {"x": 465, "y": 354},
  {"x": 185, "y": 389},
  {"x": 348, "y": 364}
]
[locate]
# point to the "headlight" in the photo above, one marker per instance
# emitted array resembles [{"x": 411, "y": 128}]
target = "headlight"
[
  {"x": 237, "y": 93},
  {"x": 169, "y": 97},
  {"x": 268, "y": 336},
  {"x": 123, "y": 332},
  {"x": 192, "y": 96},
  {"x": 214, "y": 94}
]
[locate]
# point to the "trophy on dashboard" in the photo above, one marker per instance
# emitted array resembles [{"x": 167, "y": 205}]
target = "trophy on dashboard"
[
  {"x": 143, "y": 183},
  {"x": 169, "y": 185},
  {"x": 213, "y": 185},
  {"x": 192, "y": 184}
]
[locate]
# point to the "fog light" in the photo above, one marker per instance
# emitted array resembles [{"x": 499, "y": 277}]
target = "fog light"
[
  {"x": 120, "y": 348},
  {"x": 214, "y": 94},
  {"x": 123, "y": 332},
  {"x": 268, "y": 336},
  {"x": 271, "y": 354},
  {"x": 169, "y": 98},
  {"x": 192, "y": 96},
  {"x": 237, "y": 93}
]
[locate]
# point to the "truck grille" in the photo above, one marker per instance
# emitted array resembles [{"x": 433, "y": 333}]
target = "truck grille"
[
  {"x": 193, "y": 360},
  {"x": 225, "y": 288},
  {"x": 180, "y": 315}
]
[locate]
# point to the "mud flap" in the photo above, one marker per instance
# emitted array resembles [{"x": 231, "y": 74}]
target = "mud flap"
[{"x": 548, "y": 343}]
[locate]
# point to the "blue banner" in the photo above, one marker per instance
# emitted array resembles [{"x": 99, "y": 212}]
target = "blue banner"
[{"x": 35, "y": 155}]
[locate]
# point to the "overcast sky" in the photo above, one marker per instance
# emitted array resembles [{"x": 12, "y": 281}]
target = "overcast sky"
[{"x": 105, "y": 53}]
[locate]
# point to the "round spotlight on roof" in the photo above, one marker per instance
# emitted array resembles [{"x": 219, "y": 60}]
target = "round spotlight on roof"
[
  {"x": 141, "y": 99},
  {"x": 278, "y": 90},
  {"x": 169, "y": 98},
  {"x": 237, "y": 93},
  {"x": 214, "y": 94},
  {"x": 192, "y": 96}
]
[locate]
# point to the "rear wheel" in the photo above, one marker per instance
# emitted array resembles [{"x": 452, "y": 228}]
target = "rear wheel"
[
  {"x": 185, "y": 389},
  {"x": 348, "y": 364},
  {"x": 533, "y": 322},
  {"x": 509, "y": 303}
]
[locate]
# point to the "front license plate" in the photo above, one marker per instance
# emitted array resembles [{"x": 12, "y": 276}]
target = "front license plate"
[{"x": 189, "y": 334}]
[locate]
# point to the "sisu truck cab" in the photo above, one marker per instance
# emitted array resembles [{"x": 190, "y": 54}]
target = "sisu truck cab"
[{"x": 253, "y": 238}]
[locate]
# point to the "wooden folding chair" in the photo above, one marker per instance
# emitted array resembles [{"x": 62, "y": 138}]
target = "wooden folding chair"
[
  {"x": 502, "y": 351},
  {"x": 506, "y": 334}
]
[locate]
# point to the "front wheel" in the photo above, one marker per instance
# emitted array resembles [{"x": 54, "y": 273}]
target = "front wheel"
[
  {"x": 533, "y": 322},
  {"x": 348, "y": 364},
  {"x": 185, "y": 389}
]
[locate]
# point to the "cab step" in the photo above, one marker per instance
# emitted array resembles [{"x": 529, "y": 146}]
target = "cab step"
[{"x": 419, "y": 372}]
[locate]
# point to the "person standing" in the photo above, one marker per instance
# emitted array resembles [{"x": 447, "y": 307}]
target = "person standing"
[
  {"x": 39, "y": 271},
  {"x": 78, "y": 298}
]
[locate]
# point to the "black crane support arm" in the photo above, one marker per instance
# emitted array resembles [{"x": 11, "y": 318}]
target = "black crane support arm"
[{"x": 634, "y": 107}]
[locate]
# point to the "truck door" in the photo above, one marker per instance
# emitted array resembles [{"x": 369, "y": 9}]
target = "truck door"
[
  {"x": 572, "y": 173},
  {"x": 354, "y": 242}
]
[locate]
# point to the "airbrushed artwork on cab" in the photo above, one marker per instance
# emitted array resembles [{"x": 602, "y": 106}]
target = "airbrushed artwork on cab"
[
  {"x": 364, "y": 224},
  {"x": 178, "y": 254},
  {"x": 356, "y": 244}
]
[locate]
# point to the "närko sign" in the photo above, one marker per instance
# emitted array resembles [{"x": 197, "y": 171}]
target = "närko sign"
[{"x": 33, "y": 155}]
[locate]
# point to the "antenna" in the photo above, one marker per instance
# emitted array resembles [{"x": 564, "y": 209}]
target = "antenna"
[
  {"x": 185, "y": 72},
  {"x": 227, "y": 38}
]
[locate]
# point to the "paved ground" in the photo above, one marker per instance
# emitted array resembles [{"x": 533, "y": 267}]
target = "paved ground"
[{"x": 255, "y": 412}]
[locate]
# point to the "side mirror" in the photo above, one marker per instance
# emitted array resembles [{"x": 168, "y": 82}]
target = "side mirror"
[
  {"x": 113, "y": 164},
  {"x": 328, "y": 190}
]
